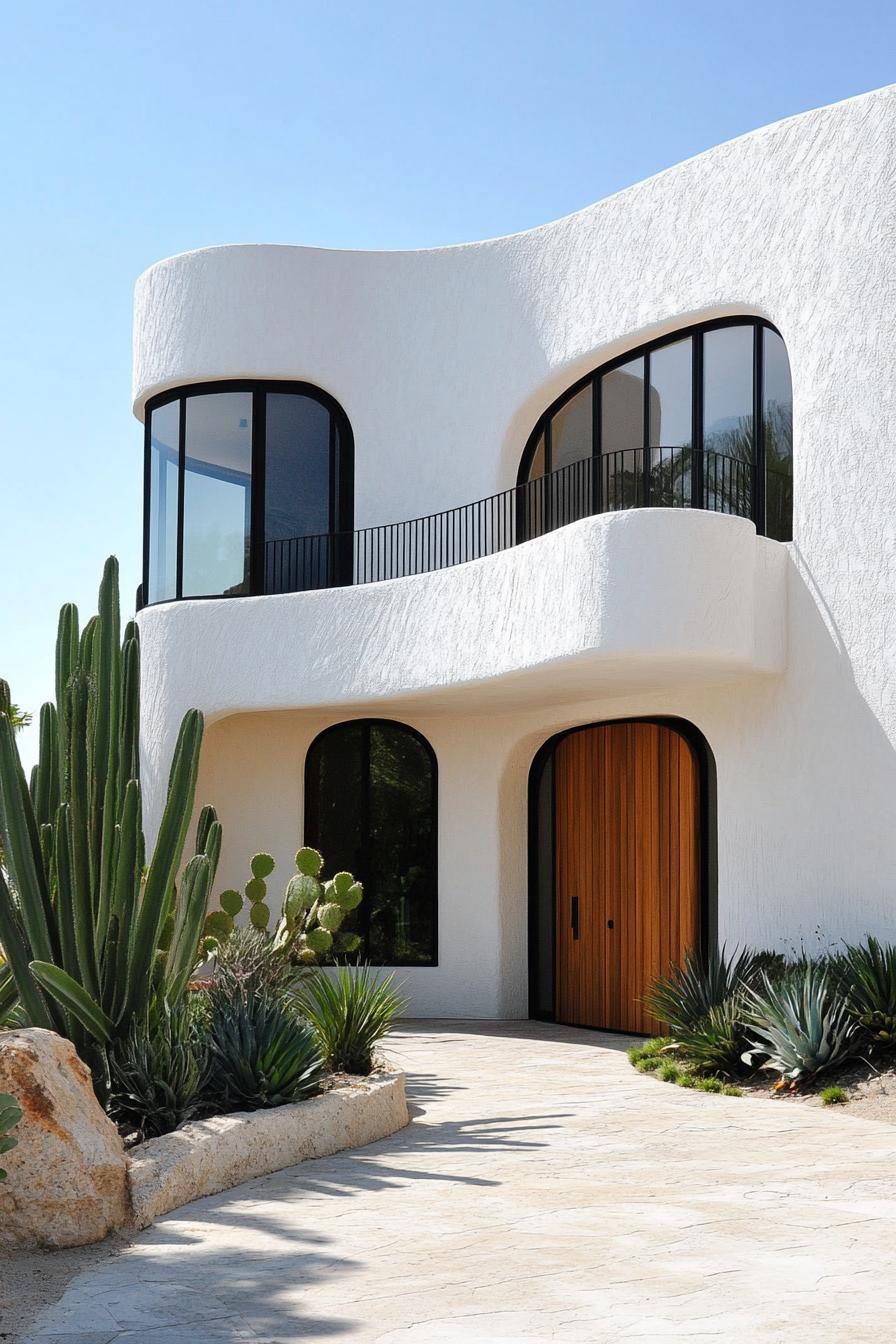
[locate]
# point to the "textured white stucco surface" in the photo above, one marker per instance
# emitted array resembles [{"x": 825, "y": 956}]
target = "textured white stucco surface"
[{"x": 443, "y": 360}]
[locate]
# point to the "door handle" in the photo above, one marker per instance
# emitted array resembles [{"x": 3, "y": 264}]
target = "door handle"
[
  {"x": 575, "y": 916},
  {"x": 609, "y": 923}
]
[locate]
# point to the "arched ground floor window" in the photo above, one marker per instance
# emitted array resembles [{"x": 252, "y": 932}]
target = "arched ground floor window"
[{"x": 371, "y": 808}]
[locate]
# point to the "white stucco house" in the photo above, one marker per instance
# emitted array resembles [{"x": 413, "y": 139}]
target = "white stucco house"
[{"x": 547, "y": 583}]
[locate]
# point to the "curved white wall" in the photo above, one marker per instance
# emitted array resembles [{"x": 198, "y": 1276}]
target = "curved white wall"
[{"x": 443, "y": 360}]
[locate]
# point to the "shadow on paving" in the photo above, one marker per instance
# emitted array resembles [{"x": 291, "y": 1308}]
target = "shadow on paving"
[{"x": 171, "y": 1286}]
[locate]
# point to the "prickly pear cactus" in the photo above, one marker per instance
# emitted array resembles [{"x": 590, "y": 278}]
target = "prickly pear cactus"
[{"x": 311, "y": 913}]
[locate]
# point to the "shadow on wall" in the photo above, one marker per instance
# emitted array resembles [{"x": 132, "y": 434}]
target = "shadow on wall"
[{"x": 806, "y": 795}]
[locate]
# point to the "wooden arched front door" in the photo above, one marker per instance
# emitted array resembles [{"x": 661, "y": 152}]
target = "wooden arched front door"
[{"x": 626, "y": 868}]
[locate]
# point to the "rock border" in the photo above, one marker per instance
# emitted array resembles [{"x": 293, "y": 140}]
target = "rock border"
[{"x": 205, "y": 1157}]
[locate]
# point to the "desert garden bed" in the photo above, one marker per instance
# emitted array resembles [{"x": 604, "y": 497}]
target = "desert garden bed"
[{"x": 815, "y": 1030}]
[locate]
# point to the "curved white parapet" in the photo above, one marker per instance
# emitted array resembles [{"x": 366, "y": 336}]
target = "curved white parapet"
[
  {"x": 443, "y": 359},
  {"x": 642, "y": 599}
]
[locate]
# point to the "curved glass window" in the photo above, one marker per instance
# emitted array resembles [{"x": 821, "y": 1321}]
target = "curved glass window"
[
  {"x": 248, "y": 490},
  {"x": 370, "y": 808},
  {"x": 700, "y": 419}
]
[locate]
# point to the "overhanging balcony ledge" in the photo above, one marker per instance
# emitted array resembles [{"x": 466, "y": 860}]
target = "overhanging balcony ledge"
[{"x": 642, "y": 598}]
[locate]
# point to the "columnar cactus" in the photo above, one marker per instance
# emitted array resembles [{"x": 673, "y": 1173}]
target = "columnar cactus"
[
  {"x": 89, "y": 935},
  {"x": 312, "y": 912}
]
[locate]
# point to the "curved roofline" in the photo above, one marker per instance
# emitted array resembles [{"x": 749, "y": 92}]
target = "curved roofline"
[{"x": 768, "y": 128}]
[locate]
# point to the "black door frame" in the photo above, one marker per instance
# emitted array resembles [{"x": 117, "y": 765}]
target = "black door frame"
[{"x": 539, "y": 845}]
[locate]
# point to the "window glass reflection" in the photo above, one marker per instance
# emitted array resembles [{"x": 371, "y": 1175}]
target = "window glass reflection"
[
  {"x": 670, "y": 410},
  {"x": 728, "y": 419},
  {"x": 622, "y": 435},
  {"x": 217, "y": 494},
  {"x": 163, "y": 490},
  {"x": 370, "y": 808}
]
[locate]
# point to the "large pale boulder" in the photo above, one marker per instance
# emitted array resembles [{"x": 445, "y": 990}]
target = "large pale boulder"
[{"x": 67, "y": 1179}]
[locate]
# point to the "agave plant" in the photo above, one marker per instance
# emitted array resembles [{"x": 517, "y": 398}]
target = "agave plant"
[
  {"x": 351, "y": 1011},
  {"x": 156, "y": 1070},
  {"x": 868, "y": 977},
  {"x": 250, "y": 961},
  {"x": 684, "y": 997},
  {"x": 716, "y": 1043},
  {"x": 259, "y": 1053},
  {"x": 10, "y": 1115},
  {"x": 798, "y": 1027}
]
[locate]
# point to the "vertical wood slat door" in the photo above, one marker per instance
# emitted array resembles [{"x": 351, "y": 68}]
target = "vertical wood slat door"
[{"x": 627, "y": 851}]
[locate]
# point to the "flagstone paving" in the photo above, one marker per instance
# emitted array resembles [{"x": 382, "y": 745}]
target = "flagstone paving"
[{"x": 544, "y": 1191}]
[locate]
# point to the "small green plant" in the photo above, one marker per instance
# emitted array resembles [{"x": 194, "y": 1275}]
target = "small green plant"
[
  {"x": 687, "y": 1080},
  {"x": 668, "y": 1072},
  {"x": 648, "y": 1063},
  {"x": 685, "y": 996},
  {"x": 798, "y": 1027},
  {"x": 834, "y": 1096},
  {"x": 311, "y": 912},
  {"x": 867, "y": 975},
  {"x": 709, "y": 1085},
  {"x": 259, "y": 1053},
  {"x": 10, "y": 1115},
  {"x": 155, "y": 1072},
  {"x": 731, "y": 1090},
  {"x": 251, "y": 961},
  {"x": 351, "y": 1010}
]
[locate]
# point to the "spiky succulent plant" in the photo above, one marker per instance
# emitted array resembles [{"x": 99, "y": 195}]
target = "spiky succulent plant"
[
  {"x": 684, "y": 997},
  {"x": 798, "y": 1026},
  {"x": 867, "y": 974}
]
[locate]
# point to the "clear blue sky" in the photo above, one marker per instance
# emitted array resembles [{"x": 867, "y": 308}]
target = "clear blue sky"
[{"x": 131, "y": 132}]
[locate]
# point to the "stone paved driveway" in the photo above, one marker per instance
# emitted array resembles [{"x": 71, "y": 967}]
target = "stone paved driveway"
[{"x": 545, "y": 1191}]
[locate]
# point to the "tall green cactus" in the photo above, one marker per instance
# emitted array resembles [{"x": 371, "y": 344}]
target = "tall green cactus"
[{"x": 88, "y": 934}]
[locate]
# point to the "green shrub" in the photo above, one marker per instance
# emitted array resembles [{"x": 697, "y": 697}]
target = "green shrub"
[
  {"x": 10, "y": 1115},
  {"x": 709, "y": 1085},
  {"x": 687, "y": 1080},
  {"x": 731, "y": 1090},
  {"x": 259, "y": 1053},
  {"x": 867, "y": 975},
  {"x": 668, "y": 1072},
  {"x": 685, "y": 996},
  {"x": 351, "y": 1011},
  {"x": 155, "y": 1072},
  {"x": 833, "y": 1096},
  {"x": 798, "y": 1027}
]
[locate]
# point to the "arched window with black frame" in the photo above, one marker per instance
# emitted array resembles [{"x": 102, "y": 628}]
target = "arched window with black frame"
[
  {"x": 371, "y": 809},
  {"x": 700, "y": 418},
  {"x": 248, "y": 489}
]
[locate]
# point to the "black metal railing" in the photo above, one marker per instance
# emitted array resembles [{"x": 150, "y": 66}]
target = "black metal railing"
[{"x": 630, "y": 479}]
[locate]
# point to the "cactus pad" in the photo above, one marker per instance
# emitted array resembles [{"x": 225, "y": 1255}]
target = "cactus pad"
[
  {"x": 309, "y": 861},
  {"x": 231, "y": 902},
  {"x": 262, "y": 866}
]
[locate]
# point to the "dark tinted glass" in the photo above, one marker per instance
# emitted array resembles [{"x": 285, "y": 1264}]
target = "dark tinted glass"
[
  {"x": 777, "y": 428},
  {"x": 370, "y": 808},
  {"x": 297, "y": 467}
]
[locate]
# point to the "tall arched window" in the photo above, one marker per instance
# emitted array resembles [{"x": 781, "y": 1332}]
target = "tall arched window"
[
  {"x": 702, "y": 418},
  {"x": 248, "y": 488},
  {"x": 371, "y": 808}
]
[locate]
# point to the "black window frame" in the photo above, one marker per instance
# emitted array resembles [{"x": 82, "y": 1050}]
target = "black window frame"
[
  {"x": 695, "y": 332},
  {"x": 311, "y": 805},
  {"x": 342, "y": 471}
]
